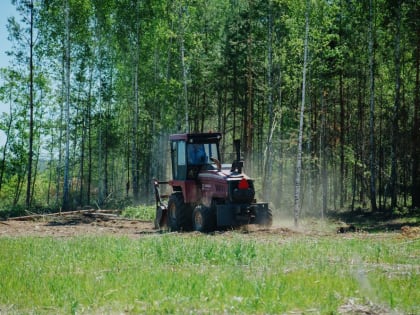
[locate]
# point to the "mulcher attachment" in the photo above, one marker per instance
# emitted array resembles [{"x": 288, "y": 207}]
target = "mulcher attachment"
[{"x": 161, "y": 217}]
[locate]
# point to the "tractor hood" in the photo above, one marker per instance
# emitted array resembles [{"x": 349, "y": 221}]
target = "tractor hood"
[
  {"x": 222, "y": 175},
  {"x": 226, "y": 185}
]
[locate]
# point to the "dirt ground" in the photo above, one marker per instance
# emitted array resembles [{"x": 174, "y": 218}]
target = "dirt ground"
[
  {"x": 88, "y": 223},
  {"x": 75, "y": 225},
  {"x": 91, "y": 224}
]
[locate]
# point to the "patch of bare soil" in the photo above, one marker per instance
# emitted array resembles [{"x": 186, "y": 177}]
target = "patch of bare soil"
[
  {"x": 76, "y": 224},
  {"x": 91, "y": 223}
]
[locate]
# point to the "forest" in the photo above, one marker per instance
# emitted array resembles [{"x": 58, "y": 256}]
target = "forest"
[{"x": 323, "y": 94}]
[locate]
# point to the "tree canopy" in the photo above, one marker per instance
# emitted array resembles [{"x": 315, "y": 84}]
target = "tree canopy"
[{"x": 95, "y": 87}]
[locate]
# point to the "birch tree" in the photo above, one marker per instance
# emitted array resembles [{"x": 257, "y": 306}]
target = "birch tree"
[
  {"x": 24, "y": 38},
  {"x": 302, "y": 113},
  {"x": 183, "y": 65},
  {"x": 268, "y": 165},
  {"x": 31, "y": 102},
  {"x": 66, "y": 192}
]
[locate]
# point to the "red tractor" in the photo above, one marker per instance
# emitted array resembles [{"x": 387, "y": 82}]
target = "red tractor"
[{"x": 207, "y": 195}]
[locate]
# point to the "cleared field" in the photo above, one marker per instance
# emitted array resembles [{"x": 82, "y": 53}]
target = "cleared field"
[{"x": 275, "y": 271}]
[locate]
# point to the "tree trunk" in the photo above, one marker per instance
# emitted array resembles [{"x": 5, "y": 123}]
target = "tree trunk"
[
  {"x": 323, "y": 156},
  {"x": 359, "y": 141},
  {"x": 86, "y": 141},
  {"x": 100, "y": 156},
  {"x": 18, "y": 188},
  {"x": 135, "y": 158},
  {"x": 107, "y": 136},
  {"x": 415, "y": 177},
  {"x": 31, "y": 105},
  {"x": 66, "y": 197},
  {"x": 59, "y": 166},
  {"x": 302, "y": 112},
  {"x": 372, "y": 112},
  {"x": 248, "y": 115},
  {"x": 184, "y": 70},
  {"x": 342, "y": 118},
  {"x": 342, "y": 143},
  {"x": 268, "y": 165},
  {"x": 35, "y": 168},
  {"x": 134, "y": 140},
  {"x": 82, "y": 158},
  {"x": 395, "y": 113},
  {"x": 381, "y": 158}
]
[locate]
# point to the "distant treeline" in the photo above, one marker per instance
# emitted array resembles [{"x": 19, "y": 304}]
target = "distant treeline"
[{"x": 95, "y": 87}]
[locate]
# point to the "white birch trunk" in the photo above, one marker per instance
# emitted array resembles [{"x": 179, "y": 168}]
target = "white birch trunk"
[
  {"x": 67, "y": 108},
  {"x": 268, "y": 156},
  {"x": 302, "y": 112},
  {"x": 184, "y": 70},
  {"x": 31, "y": 105}
]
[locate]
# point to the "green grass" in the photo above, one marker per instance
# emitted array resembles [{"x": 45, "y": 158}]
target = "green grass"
[
  {"x": 207, "y": 274},
  {"x": 142, "y": 212}
]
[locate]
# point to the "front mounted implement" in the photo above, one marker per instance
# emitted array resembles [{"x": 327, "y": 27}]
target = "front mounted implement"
[{"x": 161, "y": 206}]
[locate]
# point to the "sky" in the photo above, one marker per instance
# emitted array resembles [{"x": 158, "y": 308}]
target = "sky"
[{"x": 6, "y": 10}]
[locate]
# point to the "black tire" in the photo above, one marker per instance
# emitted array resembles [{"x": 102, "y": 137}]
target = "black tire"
[
  {"x": 264, "y": 218},
  {"x": 179, "y": 214},
  {"x": 203, "y": 219}
]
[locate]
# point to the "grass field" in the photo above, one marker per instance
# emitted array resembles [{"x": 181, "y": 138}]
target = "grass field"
[{"x": 223, "y": 273}]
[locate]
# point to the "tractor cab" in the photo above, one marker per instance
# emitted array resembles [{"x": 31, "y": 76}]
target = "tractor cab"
[{"x": 191, "y": 153}]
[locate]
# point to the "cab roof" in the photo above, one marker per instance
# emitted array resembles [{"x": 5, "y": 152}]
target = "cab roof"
[{"x": 208, "y": 137}]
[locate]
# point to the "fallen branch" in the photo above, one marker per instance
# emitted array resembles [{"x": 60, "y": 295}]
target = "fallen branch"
[
  {"x": 33, "y": 217},
  {"x": 109, "y": 216}
]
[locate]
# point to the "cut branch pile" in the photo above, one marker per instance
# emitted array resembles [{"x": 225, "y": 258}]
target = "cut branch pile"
[{"x": 90, "y": 212}]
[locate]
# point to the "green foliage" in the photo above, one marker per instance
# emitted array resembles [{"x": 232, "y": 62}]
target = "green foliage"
[
  {"x": 142, "y": 212},
  {"x": 126, "y": 87},
  {"x": 401, "y": 211},
  {"x": 181, "y": 274}
]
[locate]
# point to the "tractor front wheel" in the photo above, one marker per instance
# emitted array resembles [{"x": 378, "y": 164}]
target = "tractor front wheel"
[{"x": 179, "y": 213}]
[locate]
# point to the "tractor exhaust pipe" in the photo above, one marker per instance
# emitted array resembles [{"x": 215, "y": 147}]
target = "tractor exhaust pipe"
[
  {"x": 237, "y": 144},
  {"x": 238, "y": 164}
]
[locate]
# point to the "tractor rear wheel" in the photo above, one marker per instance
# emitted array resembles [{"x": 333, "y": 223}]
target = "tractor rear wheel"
[
  {"x": 203, "y": 219},
  {"x": 179, "y": 213}
]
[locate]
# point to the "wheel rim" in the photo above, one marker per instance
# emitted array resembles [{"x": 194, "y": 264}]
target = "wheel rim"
[
  {"x": 198, "y": 220},
  {"x": 172, "y": 212}
]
